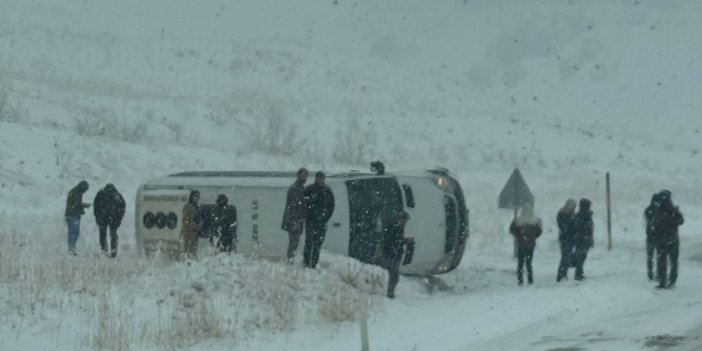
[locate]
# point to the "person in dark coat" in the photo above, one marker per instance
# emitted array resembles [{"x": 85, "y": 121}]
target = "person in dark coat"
[
  {"x": 319, "y": 201},
  {"x": 225, "y": 224},
  {"x": 191, "y": 225},
  {"x": 109, "y": 207},
  {"x": 393, "y": 247},
  {"x": 649, "y": 216},
  {"x": 564, "y": 219},
  {"x": 525, "y": 229},
  {"x": 665, "y": 232},
  {"x": 583, "y": 238},
  {"x": 75, "y": 208},
  {"x": 294, "y": 214}
]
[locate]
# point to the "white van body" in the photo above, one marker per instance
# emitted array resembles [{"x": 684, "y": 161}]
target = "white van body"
[{"x": 259, "y": 198}]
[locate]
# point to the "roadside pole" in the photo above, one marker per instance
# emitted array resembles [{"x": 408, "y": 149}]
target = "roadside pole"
[
  {"x": 363, "y": 323},
  {"x": 609, "y": 215}
]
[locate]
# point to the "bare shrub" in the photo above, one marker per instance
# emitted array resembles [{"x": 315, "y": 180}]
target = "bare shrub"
[
  {"x": 194, "y": 319},
  {"x": 8, "y": 112},
  {"x": 263, "y": 120},
  {"x": 339, "y": 305},
  {"x": 111, "y": 328},
  {"x": 273, "y": 134},
  {"x": 355, "y": 144},
  {"x": 103, "y": 121}
]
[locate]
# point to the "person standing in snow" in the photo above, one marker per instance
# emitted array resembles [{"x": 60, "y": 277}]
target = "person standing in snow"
[
  {"x": 191, "y": 225},
  {"x": 294, "y": 213},
  {"x": 319, "y": 201},
  {"x": 225, "y": 224},
  {"x": 75, "y": 208},
  {"x": 109, "y": 207},
  {"x": 583, "y": 238},
  {"x": 649, "y": 215},
  {"x": 564, "y": 219},
  {"x": 393, "y": 247},
  {"x": 665, "y": 232},
  {"x": 525, "y": 229}
]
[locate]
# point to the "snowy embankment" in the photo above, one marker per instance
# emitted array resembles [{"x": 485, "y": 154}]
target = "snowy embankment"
[{"x": 567, "y": 92}]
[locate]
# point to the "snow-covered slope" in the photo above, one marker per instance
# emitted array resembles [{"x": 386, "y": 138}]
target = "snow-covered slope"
[{"x": 125, "y": 91}]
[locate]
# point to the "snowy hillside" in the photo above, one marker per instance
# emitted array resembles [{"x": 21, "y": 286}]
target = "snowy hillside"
[{"x": 126, "y": 91}]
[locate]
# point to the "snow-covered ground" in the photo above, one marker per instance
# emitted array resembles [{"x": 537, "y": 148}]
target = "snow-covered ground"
[{"x": 125, "y": 91}]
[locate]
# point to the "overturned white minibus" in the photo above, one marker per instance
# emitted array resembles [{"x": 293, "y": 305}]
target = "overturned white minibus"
[{"x": 363, "y": 202}]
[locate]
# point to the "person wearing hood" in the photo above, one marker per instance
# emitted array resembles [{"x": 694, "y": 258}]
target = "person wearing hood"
[
  {"x": 191, "y": 225},
  {"x": 649, "y": 216},
  {"x": 525, "y": 229},
  {"x": 583, "y": 238},
  {"x": 75, "y": 208},
  {"x": 225, "y": 224},
  {"x": 294, "y": 213},
  {"x": 394, "y": 242},
  {"x": 564, "y": 219},
  {"x": 667, "y": 239},
  {"x": 109, "y": 207}
]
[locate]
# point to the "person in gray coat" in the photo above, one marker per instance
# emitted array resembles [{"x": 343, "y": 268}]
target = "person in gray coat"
[{"x": 294, "y": 214}]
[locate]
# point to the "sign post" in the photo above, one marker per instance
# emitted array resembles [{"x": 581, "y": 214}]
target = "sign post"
[
  {"x": 609, "y": 214},
  {"x": 514, "y": 195}
]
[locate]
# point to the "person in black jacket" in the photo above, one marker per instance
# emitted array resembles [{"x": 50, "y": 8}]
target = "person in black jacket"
[
  {"x": 583, "y": 238},
  {"x": 294, "y": 214},
  {"x": 75, "y": 208},
  {"x": 393, "y": 247},
  {"x": 109, "y": 207},
  {"x": 320, "y": 207},
  {"x": 665, "y": 233},
  {"x": 564, "y": 219},
  {"x": 225, "y": 224},
  {"x": 649, "y": 216}
]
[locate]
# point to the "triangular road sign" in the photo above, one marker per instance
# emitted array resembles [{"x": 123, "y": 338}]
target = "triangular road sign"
[{"x": 515, "y": 193}]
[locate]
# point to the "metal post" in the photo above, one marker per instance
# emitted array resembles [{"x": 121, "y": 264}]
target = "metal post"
[
  {"x": 363, "y": 323},
  {"x": 516, "y": 246},
  {"x": 609, "y": 215}
]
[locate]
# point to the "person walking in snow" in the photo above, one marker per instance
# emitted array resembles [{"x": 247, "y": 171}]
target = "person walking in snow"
[
  {"x": 191, "y": 225},
  {"x": 109, "y": 207},
  {"x": 75, "y": 208},
  {"x": 294, "y": 213},
  {"x": 225, "y": 224},
  {"x": 525, "y": 229},
  {"x": 319, "y": 201},
  {"x": 649, "y": 216},
  {"x": 394, "y": 242},
  {"x": 665, "y": 232},
  {"x": 564, "y": 219},
  {"x": 583, "y": 238}
]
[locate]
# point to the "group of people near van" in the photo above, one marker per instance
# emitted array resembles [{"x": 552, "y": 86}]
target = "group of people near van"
[
  {"x": 108, "y": 209},
  {"x": 311, "y": 207},
  {"x": 222, "y": 225},
  {"x": 575, "y": 236}
]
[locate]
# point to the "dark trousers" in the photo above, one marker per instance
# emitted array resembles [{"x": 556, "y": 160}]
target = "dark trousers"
[
  {"x": 113, "y": 239},
  {"x": 668, "y": 251},
  {"x": 393, "y": 266},
  {"x": 226, "y": 243},
  {"x": 566, "y": 252},
  {"x": 294, "y": 236},
  {"x": 314, "y": 238},
  {"x": 650, "y": 254},
  {"x": 580, "y": 257},
  {"x": 524, "y": 256}
]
